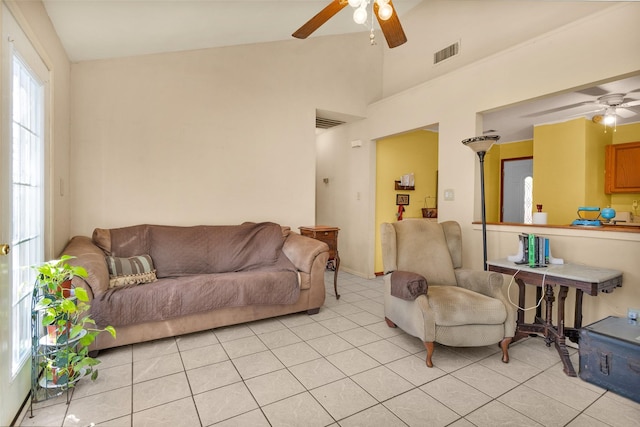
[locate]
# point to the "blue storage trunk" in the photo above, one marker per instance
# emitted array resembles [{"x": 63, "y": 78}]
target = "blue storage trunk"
[{"x": 610, "y": 356}]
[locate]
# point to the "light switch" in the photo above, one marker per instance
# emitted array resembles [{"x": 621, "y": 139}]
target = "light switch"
[{"x": 449, "y": 194}]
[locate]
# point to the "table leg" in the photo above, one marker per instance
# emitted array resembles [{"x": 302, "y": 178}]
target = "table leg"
[
  {"x": 549, "y": 298},
  {"x": 574, "y": 333},
  {"x": 335, "y": 275},
  {"x": 523, "y": 329},
  {"x": 560, "y": 338},
  {"x": 521, "y": 300},
  {"x": 538, "y": 298},
  {"x": 577, "y": 322}
]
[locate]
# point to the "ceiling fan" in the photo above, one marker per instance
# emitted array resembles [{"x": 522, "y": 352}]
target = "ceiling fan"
[
  {"x": 382, "y": 9},
  {"x": 611, "y": 104}
]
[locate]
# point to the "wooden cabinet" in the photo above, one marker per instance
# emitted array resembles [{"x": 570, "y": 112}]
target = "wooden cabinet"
[
  {"x": 329, "y": 235},
  {"x": 622, "y": 168}
]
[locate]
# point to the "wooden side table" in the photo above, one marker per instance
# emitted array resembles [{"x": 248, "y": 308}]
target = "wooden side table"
[
  {"x": 591, "y": 280},
  {"x": 329, "y": 235}
]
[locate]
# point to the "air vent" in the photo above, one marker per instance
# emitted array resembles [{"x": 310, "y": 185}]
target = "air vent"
[
  {"x": 446, "y": 53},
  {"x": 324, "y": 123}
]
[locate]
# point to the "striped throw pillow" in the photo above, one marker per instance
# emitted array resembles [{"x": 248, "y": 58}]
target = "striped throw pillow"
[{"x": 135, "y": 270}]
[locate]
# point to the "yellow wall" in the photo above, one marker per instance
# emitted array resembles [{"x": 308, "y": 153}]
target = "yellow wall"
[
  {"x": 492, "y": 183},
  {"x": 568, "y": 168},
  {"x": 559, "y": 169},
  {"x": 493, "y": 172},
  {"x": 595, "y": 142},
  {"x": 624, "y": 134},
  {"x": 415, "y": 152}
]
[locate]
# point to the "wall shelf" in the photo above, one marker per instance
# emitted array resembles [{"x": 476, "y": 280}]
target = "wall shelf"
[{"x": 404, "y": 187}]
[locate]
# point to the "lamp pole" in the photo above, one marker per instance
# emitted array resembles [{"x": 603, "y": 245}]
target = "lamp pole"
[
  {"x": 482, "y": 144},
  {"x": 484, "y": 214}
]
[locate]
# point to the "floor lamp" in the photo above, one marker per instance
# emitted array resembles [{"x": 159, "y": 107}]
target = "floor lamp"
[{"x": 480, "y": 145}]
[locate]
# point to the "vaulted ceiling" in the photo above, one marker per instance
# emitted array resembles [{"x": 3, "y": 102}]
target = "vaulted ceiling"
[
  {"x": 100, "y": 29},
  {"x": 96, "y": 29}
]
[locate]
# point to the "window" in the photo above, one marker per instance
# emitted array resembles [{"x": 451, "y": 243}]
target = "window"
[
  {"x": 27, "y": 195},
  {"x": 528, "y": 200}
]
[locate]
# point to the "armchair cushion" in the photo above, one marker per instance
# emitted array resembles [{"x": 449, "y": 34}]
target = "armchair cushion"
[
  {"x": 424, "y": 250},
  {"x": 455, "y": 306},
  {"x": 407, "y": 285}
]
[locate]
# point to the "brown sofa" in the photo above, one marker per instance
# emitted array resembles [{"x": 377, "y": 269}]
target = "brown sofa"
[{"x": 205, "y": 277}]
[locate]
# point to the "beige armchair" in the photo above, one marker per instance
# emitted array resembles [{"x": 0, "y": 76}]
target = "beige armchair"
[{"x": 461, "y": 308}]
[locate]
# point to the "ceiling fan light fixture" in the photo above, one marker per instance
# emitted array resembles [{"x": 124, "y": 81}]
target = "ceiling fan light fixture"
[
  {"x": 610, "y": 116},
  {"x": 360, "y": 14},
  {"x": 385, "y": 11}
]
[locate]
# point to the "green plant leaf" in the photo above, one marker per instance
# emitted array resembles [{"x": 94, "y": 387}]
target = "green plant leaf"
[
  {"x": 81, "y": 294},
  {"x": 75, "y": 330},
  {"x": 68, "y": 306},
  {"x": 86, "y": 340},
  {"x": 111, "y": 330},
  {"x": 48, "y": 319}
]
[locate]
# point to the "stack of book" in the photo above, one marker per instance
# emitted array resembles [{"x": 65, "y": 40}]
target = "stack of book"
[{"x": 536, "y": 250}]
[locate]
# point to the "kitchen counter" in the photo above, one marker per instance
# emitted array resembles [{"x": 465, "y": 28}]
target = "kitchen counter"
[{"x": 626, "y": 228}]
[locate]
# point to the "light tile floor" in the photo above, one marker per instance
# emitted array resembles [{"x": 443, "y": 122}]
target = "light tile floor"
[{"x": 341, "y": 367}]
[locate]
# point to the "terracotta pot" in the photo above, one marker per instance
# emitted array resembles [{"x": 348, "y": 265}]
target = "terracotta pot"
[
  {"x": 55, "y": 378},
  {"x": 54, "y": 332},
  {"x": 65, "y": 287}
]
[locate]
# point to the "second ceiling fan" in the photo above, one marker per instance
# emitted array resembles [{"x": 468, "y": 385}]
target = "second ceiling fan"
[{"x": 382, "y": 9}]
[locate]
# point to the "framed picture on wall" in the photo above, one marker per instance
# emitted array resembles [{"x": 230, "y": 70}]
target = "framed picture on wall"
[{"x": 402, "y": 199}]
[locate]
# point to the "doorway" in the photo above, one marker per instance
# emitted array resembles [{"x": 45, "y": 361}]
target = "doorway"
[
  {"x": 22, "y": 181},
  {"x": 517, "y": 190}
]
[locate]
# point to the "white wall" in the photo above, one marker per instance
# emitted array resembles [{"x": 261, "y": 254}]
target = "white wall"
[
  {"x": 567, "y": 57},
  {"x": 555, "y": 61},
  {"x": 347, "y": 200},
  {"x": 482, "y": 28},
  {"x": 214, "y": 136},
  {"x": 604, "y": 249}
]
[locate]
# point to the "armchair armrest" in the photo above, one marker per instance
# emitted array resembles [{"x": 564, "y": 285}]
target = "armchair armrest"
[
  {"x": 487, "y": 283},
  {"x": 407, "y": 285},
  {"x": 91, "y": 257},
  {"x": 302, "y": 250}
]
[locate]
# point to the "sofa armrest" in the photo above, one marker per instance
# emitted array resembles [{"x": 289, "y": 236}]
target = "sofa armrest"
[
  {"x": 302, "y": 250},
  {"x": 91, "y": 257}
]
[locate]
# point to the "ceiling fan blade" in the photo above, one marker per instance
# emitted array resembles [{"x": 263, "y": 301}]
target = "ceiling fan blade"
[
  {"x": 624, "y": 113},
  {"x": 586, "y": 113},
  {"x": 631, "y": 103},
  {"x": 593, "y": 91},
  {"x": 323, "y": 16},
  {"x": 391, "y": 28},
  {"x": 557, "y": 109}
]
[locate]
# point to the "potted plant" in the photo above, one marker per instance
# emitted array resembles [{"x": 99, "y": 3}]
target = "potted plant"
[{"x": 70, "y": 329}]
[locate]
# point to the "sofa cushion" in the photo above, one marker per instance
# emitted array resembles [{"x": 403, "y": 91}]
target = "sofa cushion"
[
  {"x": 130, "y": 271},
  {"x": 179, "y": 251},
  {"x": 173, "y": 297},
  {"x": 123, "y": 242}
]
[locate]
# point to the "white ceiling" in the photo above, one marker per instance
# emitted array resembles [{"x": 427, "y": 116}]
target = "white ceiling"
[
  {"x": 97, "y": 29},
  {"x": 515, "y": 123},
  {"x": 100, "y": 29}
]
